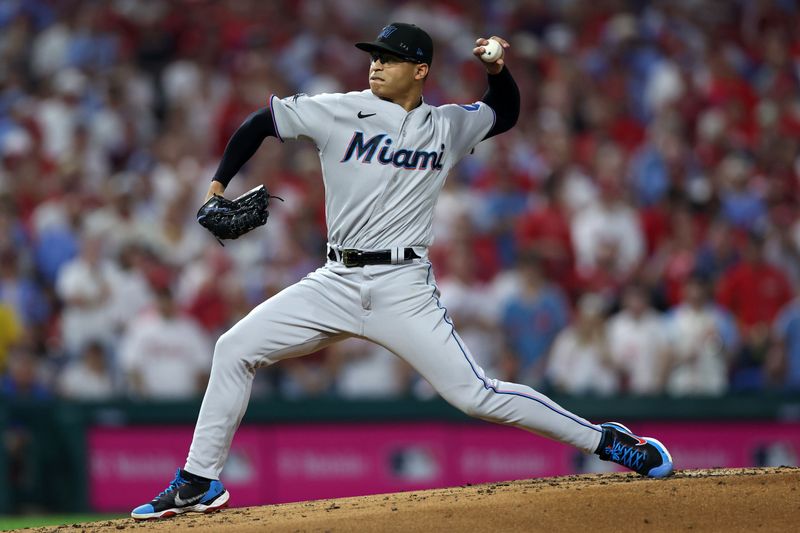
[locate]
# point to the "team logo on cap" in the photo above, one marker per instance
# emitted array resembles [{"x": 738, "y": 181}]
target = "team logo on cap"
[{"x": 387, "y": 31}]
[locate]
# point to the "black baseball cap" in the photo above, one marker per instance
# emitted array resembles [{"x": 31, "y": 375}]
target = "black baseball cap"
[{"x": 408, "y": 41}]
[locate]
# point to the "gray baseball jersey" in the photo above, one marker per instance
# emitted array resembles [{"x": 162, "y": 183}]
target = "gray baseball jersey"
[{"x": 383, "y": 167}]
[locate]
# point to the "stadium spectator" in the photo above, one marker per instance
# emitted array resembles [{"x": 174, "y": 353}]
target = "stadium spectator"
[
  {"x": 20, "y": 291},
  {"x": 783, "y": 365},
  {"x": 57, "y": 226},
  {"x": 363, "y": 370},
  {"x": 604, "y": 277},
  {"x": 454, "y": 206},
  {"x": 753, "y": 291},
  {"x": 464, "y": 295},
  {"x": 556, "y": 155},
  {"x": 10, "y": 332},
  {"x": 13, "y": 235},
  {"x": 780, "y": 248},
  {"x": 172, "y": 239},
  {"x": 675, "y": 259},
  {"x": 116, "y": 218},
  {"x": 87, "y": 377},
  {"x": 503, "y": 202},
  {"x": 718, "y": 252},
  {"x": 661, "y": 165},
  {"x": 532, "y": 318},
  {"x": 580, "y": 361},
  {"x": 202, "y": 289},
  {"x": 59, "y": 115},
  {"x": 740, "y": 205},
  {"x": 638, "y": 343},
  {"x": 132, "y": 290},
  {"x": 24, "y": 378},
  {"x": 608, "y": 223},
  {"x": 308, "y": 378},
  {"x": 703, "y": 340},
  {"x": 87, "y": 286},
  {"x": 544, "y": 230},
  {"x": 165, "y": 355},
  {"x": 472, "y": 241}
]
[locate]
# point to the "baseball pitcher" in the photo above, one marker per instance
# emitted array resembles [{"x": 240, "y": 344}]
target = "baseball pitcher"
[{"x": 385, "y": 154}]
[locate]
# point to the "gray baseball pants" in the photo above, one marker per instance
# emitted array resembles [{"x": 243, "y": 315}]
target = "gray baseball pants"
[{"x": 396, "y": 306}]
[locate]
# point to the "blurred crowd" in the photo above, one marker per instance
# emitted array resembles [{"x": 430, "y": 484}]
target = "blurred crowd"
[{"x": 637, "y": 232}]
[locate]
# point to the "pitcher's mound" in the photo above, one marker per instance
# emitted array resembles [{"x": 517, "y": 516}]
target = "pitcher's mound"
[{"x": 765, "y": 499}]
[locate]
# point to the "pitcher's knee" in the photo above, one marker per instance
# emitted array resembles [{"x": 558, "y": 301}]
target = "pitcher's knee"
[
  {"x": 226, "y": 344},
  {"x": 231, "y": 349},
  {"x": 470, "y": 402}
]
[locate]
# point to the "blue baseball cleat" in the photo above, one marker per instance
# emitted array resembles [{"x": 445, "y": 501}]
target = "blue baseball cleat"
[
  {"x": 644, "y": 455},
  {"x": 187, "y": 493}
]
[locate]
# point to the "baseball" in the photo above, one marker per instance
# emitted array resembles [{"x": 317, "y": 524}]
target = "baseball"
[{"x": 492, "y": 51}]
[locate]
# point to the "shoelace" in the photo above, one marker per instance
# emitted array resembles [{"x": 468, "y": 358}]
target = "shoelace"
[
  {"x": 626, "y": 455},
  {"x": 174, "y": 484}
]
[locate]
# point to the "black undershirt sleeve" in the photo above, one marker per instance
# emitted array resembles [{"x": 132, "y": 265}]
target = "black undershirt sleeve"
[
  {"x": 244, "y": 143},
  {"x": 503, "y": 97}
]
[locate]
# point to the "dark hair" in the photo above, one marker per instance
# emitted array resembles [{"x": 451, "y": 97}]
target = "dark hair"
[
  {"x": 163, "y": 290},
  {"x": 529, "y": 259},
  {"x": 699, "y": 278}
]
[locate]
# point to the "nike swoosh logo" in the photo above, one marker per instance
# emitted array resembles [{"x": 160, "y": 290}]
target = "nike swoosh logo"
[
  {"x": 180, "y": 502},
  {"x": 641, "y": 442},
  {"x": 362, "y": 115}
]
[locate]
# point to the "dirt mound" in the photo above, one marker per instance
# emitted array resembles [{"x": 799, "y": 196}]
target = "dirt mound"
[{"x": 767, "y": 499}]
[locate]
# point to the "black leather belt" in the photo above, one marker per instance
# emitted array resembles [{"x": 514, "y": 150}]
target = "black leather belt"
[{"x": 351, "y": 257}]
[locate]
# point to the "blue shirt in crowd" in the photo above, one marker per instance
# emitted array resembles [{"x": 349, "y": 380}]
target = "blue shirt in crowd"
[
  {"x": 787, "y": 328},
  {"x": 531, "y": 324}
]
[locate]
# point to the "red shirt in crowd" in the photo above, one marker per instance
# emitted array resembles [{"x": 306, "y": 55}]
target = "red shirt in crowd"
[
  {"x": 546, "y": 231},
  {"x": 754, "y": 292}
]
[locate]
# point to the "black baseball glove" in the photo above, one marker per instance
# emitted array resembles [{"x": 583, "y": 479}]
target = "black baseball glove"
[{"x": 230, "y": 219}]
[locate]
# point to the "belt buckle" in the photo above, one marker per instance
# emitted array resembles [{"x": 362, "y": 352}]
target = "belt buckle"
[{"x": 350, "y": 257}]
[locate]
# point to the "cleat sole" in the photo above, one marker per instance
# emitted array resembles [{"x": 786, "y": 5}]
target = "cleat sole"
[{"x": 221, "y": 502}]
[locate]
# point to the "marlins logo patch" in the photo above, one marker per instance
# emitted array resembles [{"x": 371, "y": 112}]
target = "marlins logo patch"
[{"x": 387, "y": 31}]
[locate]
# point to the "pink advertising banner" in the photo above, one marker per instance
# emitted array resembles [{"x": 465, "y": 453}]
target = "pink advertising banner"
[{"x": 283, "y": 463}]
